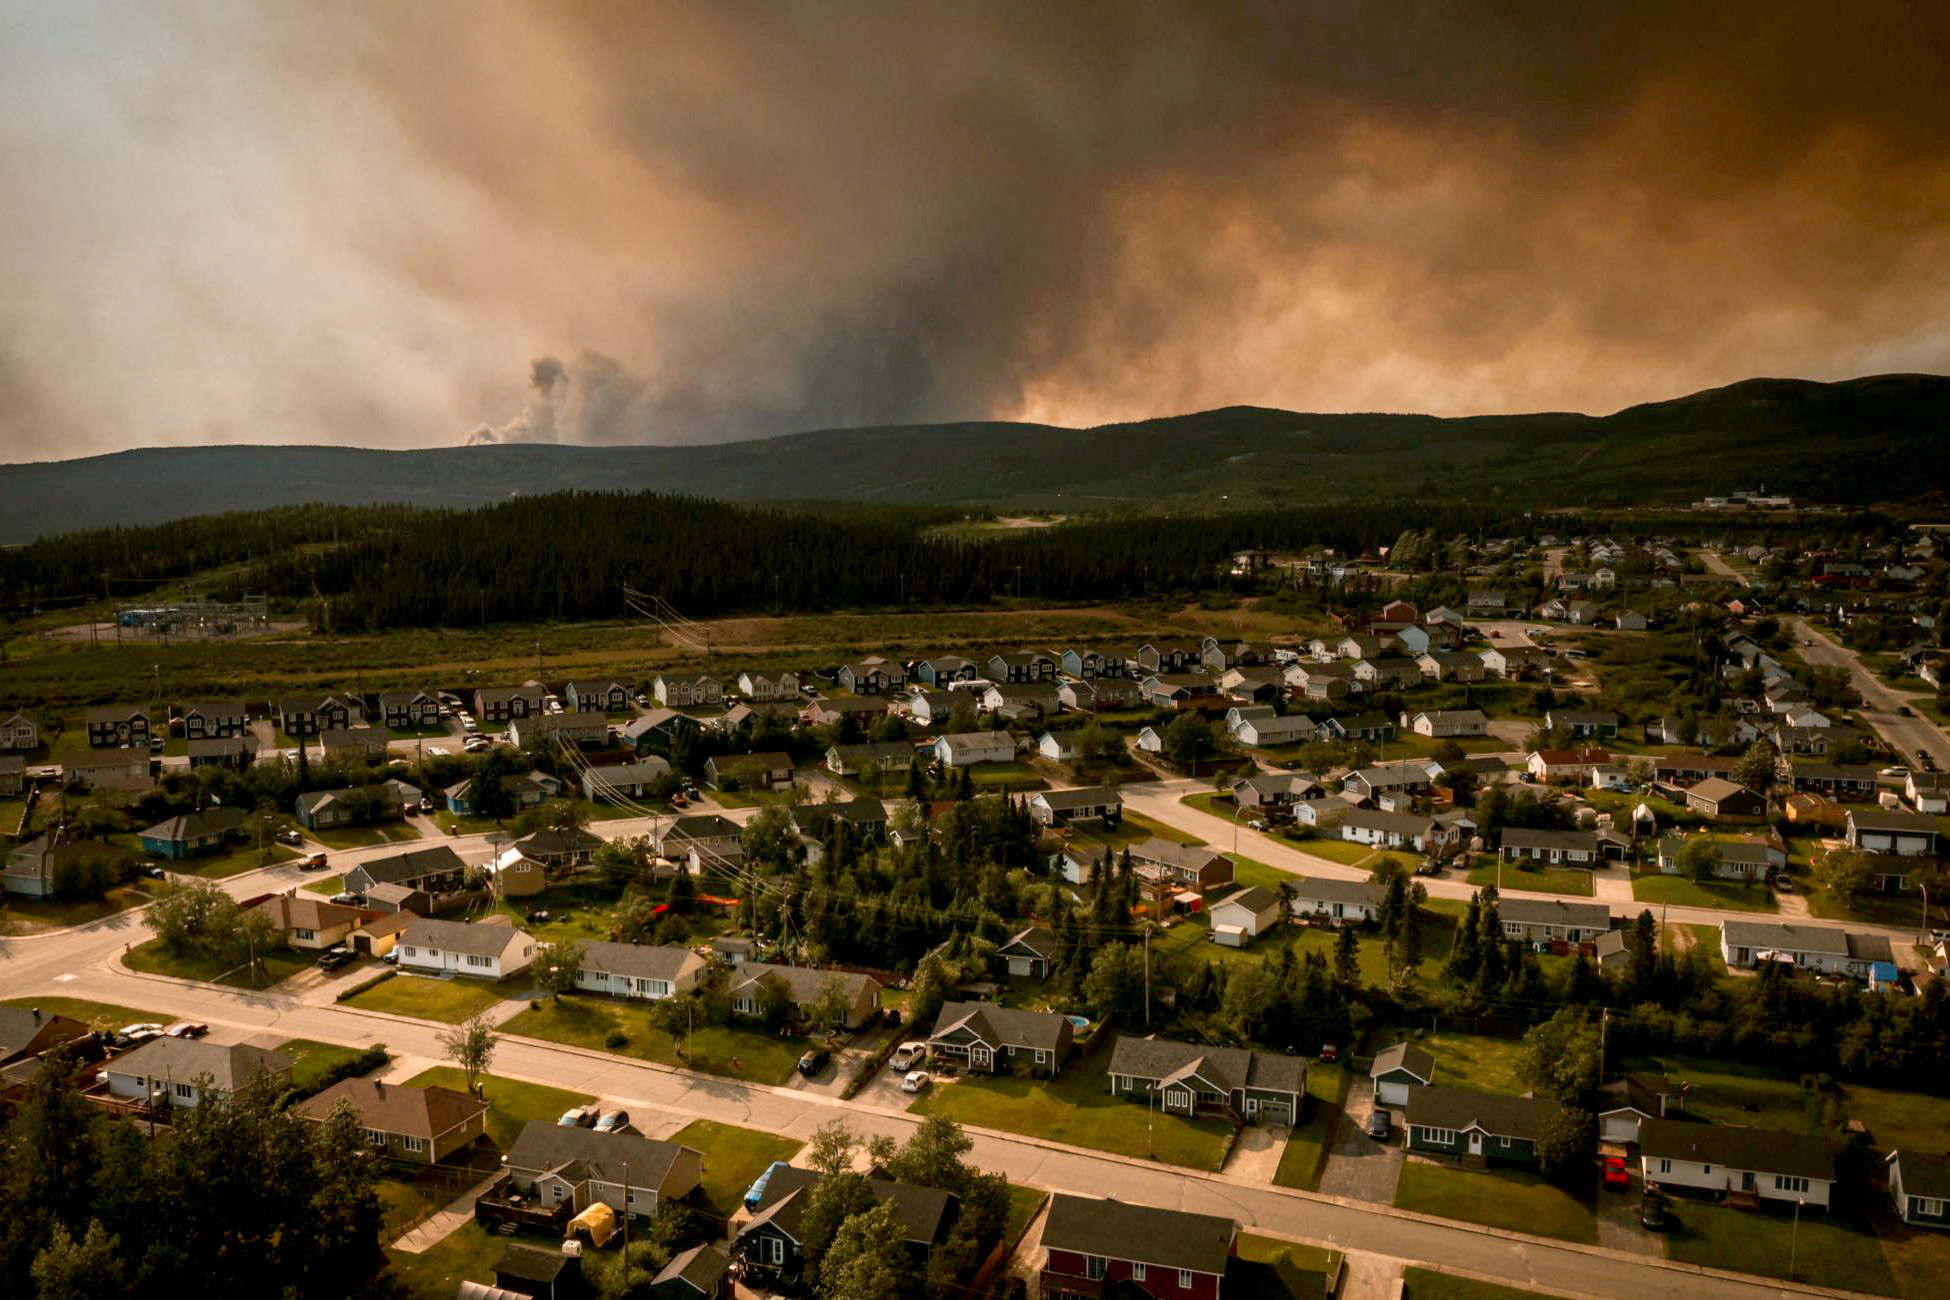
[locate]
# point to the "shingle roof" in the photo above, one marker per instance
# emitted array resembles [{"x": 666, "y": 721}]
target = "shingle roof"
[
  {"x": 1338, "y": 891},
  {"x": 1716, "y": 789},
  {"x": 1550, "y": 911},
  {"x": 1923, "y": 1175},
  {"x": 195, "y": 825},
  {"x": 702, "y": 1268},
  {"x": 1760, "y": 1149},
  {"x": 19, "y": 1026},
  {"x": 1139, "y": 1233},
  {"x": 805, "y": 982},
  {"x": 923, "y": 1211},
  {"x": 1185, "y": 857},
  {"x": 1516, "y": 838},
  {"x": 183, "y": 1059},
  {"x": 395, "y": 1107},
  {"x": 1090, "y": 796},
  {"x": 1784, "y": 936},
  {"x": 1162, "y": 1060},
  {"x": 1453, "y": 1108},
  {"x": 1403, "y": 1056},
  {"x": 640, "y": 960},
  {"x": 545, "y": 1145},
  {"x": 465, "y": 937},
  {"x": 415, "y": 864},
  {"x": 1003, "y": 1026},
  {"x": 1252, "y": 898}
]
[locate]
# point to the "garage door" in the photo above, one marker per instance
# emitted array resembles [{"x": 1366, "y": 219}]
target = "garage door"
[
  {"x": 1619, "y": 1128},
  {"x": 1275, "y": 1112},
  {"x": 1392, "y": 1094}
]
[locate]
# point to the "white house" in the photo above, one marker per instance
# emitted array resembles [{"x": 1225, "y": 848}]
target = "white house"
[
  {"x": 176, "y": 1070},
  {"x": 768, "y": 688},
  {"x": 1818, "y": 948},
  {"x": 1150, "y": 740},
  {"x": 1575, "y": 848},
  {"x": 1740, "y": 1162},
  {"x": 967, "y": 748},
  {"x": 630, "y": 970},
  {"x": 1450, "y": 722},
  {"x": 465, "y": 948},
  {"x": 1389, "y": 830},
  {"x": 1244, "y": 916},
  {"x": 1928, "y": 792},
  {"x": 1337, "y": 900}
]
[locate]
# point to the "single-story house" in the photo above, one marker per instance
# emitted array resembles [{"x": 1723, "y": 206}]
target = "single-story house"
[
  {"x": 1743, "y": 858},
  {"x": 991, "y": 1039},
  {"x": 1573, "y": 848},
  {"x": 1584, "y": 724},
  {"x": 1532, "y": 919},
  {"x": 555, "y": 1164},
  {"x": 1098, "y": 803},
  {"x": 1690, "y": 769},
  {"x": 527, "y": 789},
  {"x": 1093, "y": 1246},
  {"x": 1187, "y": 1078},
  {"x": 1274, "y": 792},
  {"x": 541, "y": 732},
  {"x": 178, "y": 1070},
  {"x": 889, "y": 757},
  {"x": 1566, "y": 764},
  {"x": 1753, "y": 1164},
  {"x": 466, "y": 948},
  {"x": 1451, "y": 1122},
  {"x": 1244, "y": 916},
  {"x": 1092, "y": 693},
  {"x": 559, "y": 849},
  {"x": 417, "y": 1125},
  {"x": 967, "y": 748},
  {"x": 1398, "y": 1068},
  {"x": 26, "y": 1032},
  {"x": 1337, "y": 900},
  {"x": 1919, "y": 1186},
  {"x": 1389, "y": 830},
  {"x": 1717, "y": 797},
  {"x": 624, "y": 780},
  {"x": 806, "y": 986},
  {"x": 1450, "y": 722},
  {"x": 436, "y": 870},
  {"x": 658, "y": 729},
  {"x": 307, "y": 921},
  {"x": 1371, "y": 782},
  {"x": 189, "y": 834},
  {"x": 630, "y": 970},
  {"x": 1192, "y": 866},
  {"x": 1897, "y": 833},
  {"x": 124, "y": 770},
  {"x": 1819, "y": 948},
  {"x": 1029, "y": 952},
  {"x": 1251, "y": 727},
  {"x": 770, "y": 1241}
]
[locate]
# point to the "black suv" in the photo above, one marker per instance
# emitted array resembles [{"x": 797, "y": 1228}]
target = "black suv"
[{"x": 814, "y": 1061}]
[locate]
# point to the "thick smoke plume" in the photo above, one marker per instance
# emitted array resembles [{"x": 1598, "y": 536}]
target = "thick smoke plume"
[{"x": 351, "y": 222}]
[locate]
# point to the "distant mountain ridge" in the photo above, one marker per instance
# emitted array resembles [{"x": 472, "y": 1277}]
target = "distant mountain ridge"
[{"x": 1878, "y": 438}]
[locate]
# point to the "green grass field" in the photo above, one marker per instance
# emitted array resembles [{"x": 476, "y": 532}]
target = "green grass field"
[
  {"x": 733, "y": 1158},
  {"x": 364, "y": 837},
  {"x": 1300, "y": 1163},
  {"x": 311, "y": 1058},
  {"x": 1918, "y": 1258},
  {"x": 36, "y": 915},
  {"x": 1654, "y": 887},
  {"x": 1346, "y": 852},
  {"x": 1517, "y": 1202},
  {"x": 582, "y": 1020},
  {"x": 430, "y": 999},
  {"x": 1077, "y": 1108},
  {"x": 1825, "y": 1249},
  {"x": 1545, "y": 880},
  {"x": 275, "y": 966},
  {"x": 511, "y": 1104},
  {"x": 1427, "y": 1284},
  {"x": 108, "y": 1015},
  {"x": 327, "y": 885},
  {"x": 233, "y": 862},
  {"x": 1472, "y": 1061}
]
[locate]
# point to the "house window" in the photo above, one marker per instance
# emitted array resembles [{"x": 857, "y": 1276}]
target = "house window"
[
  {"x": 1137, "y": 1272},
  {"x": 184, "y": 1090},
  {"x": 775, "y": 1247},
  {"x": 1924, "y": 1205},
  {"x": 413, "y": 1144},
  {"x": 1784, "y": 1183},
  {"x": 1504, "y": 1142},
  {"x": 409, "y": 952},
  {"x": 1513, "y": 927},
  {"x": 375, "y": 1138},
  {"x": 1706, "y": 1169},
  {"x": 1439, "y": 1136},
  {"x": 555, "y": 1192},
  {"x": 482, "y": 962},
  {"x": 305, "y": 934},
  {"x": 1184, "y": 1279},
  {"x": 1093, "y": 1267}
]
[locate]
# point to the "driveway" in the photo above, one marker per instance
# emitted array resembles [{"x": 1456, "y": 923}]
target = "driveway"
[
  {"x": 1618, "y": 1221},
  {"x": 1357, "y": 1166},
  {"x": 1256, "y": 1155}
]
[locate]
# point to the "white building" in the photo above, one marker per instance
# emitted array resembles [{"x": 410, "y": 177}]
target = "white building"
[
  {"x": 1740, "y": 1162},
  {"x": 479, "y": 950}
]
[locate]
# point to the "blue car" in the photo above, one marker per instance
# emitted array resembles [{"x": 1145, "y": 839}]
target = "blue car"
[{"x": 757, "y": 1192}]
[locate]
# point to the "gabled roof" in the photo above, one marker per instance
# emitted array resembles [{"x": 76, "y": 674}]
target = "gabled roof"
[
  {"x": 1163, "y": 1061},
  {"x": 1924, "y": 1175},
  {"x": 702, "y": 1268},
  {"x": 1252, "y": 898},
  {"x": 1184, "y": 857},
  {"x": 1141, "y": 1234},
  {"x": 20, "y": 1026},
  {"x": 805, "y": 983},
  {"x": 670, "y": 962},
  {"x": 183, "y": 1059},
  {"x": 1763, "y": 1150},
  {"x": 466, "y": 937},
  {"x": 1784, "y": 937},
  {"x": 1403, "y": 1056},
  {"x": 1035, "y": 939},
  {"x": 1576, "y": 841},
  {"x": 396, "y": 1107},
  {"x": 190, "y": 826},
  {"x": 1003, "y": 1026},
  {"x": 702, "y": 826},
  {"x": 1452, "y": 1108},
  {"x": 1090, "y": 796},
  {"x": 306, "y": 911},
  {"x": 1716, "y": 789},
  {"x": 924, "y": 1212},
  {"x": 415, "y": 864},
  {"x": 1550, "y": 911},
  {"x": 1338, "y": 891},
  {"x": 606, "y": 1157}
]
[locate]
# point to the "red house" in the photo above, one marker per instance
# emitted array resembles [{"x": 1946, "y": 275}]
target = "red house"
[{"x": 1165, "y": 1254}]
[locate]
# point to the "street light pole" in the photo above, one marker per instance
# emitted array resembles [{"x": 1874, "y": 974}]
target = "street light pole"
[{"x": 1794, "y": 1239}]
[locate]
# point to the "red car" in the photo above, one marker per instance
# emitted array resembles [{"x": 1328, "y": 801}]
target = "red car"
[
  {"x": 1616, "y": 1176},
  {"x": 185, "y": 1029}
]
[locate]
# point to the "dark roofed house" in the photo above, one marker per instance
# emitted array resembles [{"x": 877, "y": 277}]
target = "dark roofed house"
[
  {"x": 563, "y": 1169},
  {"x": 433, "y": 871},
  {"x": 1532, "y": 919},
  {"x": 1190, "y": 1078},
  {"x": 1745, "y": 1164},
  {"x": 701, "y": 1273},
  {"x": 188, "y": 834},
  {"x": 990, "y": 1039},
  {"x": 537, "y": 1273},
  {"x": 1091, "y": 803},
  {"x": 770, "y": 1243},
  {"x": 417, "y": 1125},
  {"x": 1101, "y": 1248},
  {"x": 1452, "y": 1122},
  {"x": 1919, "y": 1185},
  {"x": 1192, "y": 866},
  {"x": 1028, "y": 952},
  {"x": 806, "y": 986},
  {"x": 26, "y": 1032}
]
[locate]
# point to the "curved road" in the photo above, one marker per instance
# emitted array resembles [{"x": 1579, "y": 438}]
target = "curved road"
[{"x": 1880, "y": 700}]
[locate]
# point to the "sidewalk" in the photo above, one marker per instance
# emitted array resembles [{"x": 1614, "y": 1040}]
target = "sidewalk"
[{"x": 443, "y": 1222}]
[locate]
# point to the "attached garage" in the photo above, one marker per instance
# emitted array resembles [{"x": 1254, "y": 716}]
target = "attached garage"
[
  {"x": 1399, "y": 1068},
  {"x": 1270, "y": 1110}
]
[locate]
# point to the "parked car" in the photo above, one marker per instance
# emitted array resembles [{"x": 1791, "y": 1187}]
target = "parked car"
[
  {"x": 334, "y": 958},
  {"x": 140, "y": 1034},
  {"x": 907, "y": 1056},
  {"x": 814, "y": 1061},
  {"x": 613, "y": 1121},
  {"x": 1652, "y": 1212},
  {"x": 153, "y": 870},
  {"x": 1380, "y": 1123},
  {"x": 1330, "y": 1052},
  {"x": 186, "y": 1029},
  {"x": 915, "y": 1081},
  {"x": 291, "y": 837},
  {"x": 316, "y": 862},
  {"x": 155, "y": 744},
  {"x": 578, "y": 1117},
  {"x": 1617, "y": 1177},
  {"x": 1897, "y": 772},
  {"x": 349, "y": 900},
  {"x": 476, "y": 745}
]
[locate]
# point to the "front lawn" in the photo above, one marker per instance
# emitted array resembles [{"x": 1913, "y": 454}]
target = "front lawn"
[
  {"x": 1471, "y": 1061},
  {"x": 31, "y": 915},
  {"x": 996, "y": 777},
  {"x": 1727, "y": 1092},
  {"x": 1077, "y": 1108},
  {"x": 1512, "y": 1200},
  {"x": 1347, "y": 852},
  {"x": 108, "y": 1015},
  {"x": 1918, "y": 1258},
  {"x": 1300, "y": 1163},
  {"x": 1655, "y": 887},
  {"x": 274, "y": 966},
  {"x": 1542, "y": 880},
  {"x": 327, "y": 885},
  {"x": 430, "y": 999},
  {"x": 232, "y": 862},
  {"x": 311, "y": 1058},
  {"x": 363, "y": 837},
  {"x": 1825, "y": 1250},
  {"x": 734, "y": 1157},
  {"x": 511, "y": 1104},
  {"x": 1280, "y": 1270},
  {"x": 451, "y": 824},
  {"x": 587, "y": 1020},
  {"x": 1427, "y": 1284}
]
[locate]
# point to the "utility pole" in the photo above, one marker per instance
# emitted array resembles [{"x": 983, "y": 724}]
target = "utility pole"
[{"x": 1147, "y": 975}]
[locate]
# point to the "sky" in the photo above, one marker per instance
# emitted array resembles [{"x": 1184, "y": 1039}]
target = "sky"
[{"x": 406, "y": 225}]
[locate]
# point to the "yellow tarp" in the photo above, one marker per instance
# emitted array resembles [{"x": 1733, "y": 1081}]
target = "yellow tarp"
[{"x": 597, "y": 1223}]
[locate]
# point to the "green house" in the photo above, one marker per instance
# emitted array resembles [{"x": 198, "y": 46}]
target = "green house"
[{"x": 1451, "y": 1122}]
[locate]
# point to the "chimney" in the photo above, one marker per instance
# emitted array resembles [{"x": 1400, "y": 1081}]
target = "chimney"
[
  {"x": 379, "y": 1087},
  {"x": 37, "y": 1016}
]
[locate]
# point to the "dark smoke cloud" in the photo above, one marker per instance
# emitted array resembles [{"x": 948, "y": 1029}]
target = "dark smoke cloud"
[{"x": 351, "y": 222}]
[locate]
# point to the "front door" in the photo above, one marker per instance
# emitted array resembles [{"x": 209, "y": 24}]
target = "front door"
[
  {"x": 1475, "y": 1144},
  {"x": 1747, "y": 1180}
]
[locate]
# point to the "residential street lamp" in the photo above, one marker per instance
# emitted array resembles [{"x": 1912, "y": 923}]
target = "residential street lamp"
[{"x": 1794, "y": 1238}]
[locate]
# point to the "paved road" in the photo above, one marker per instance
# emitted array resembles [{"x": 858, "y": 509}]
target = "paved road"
[
  {"x": 1714, "y": 564},
  {"x": 84, "y": 963},
  {"x": 1905, "y": 735}
]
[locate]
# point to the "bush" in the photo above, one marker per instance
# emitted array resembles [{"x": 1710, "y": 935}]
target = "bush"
[
  {"x": 363, "y": 985},
  {"x": 616, "y": 1039},
  {"x": 373, "y": 1058}
]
